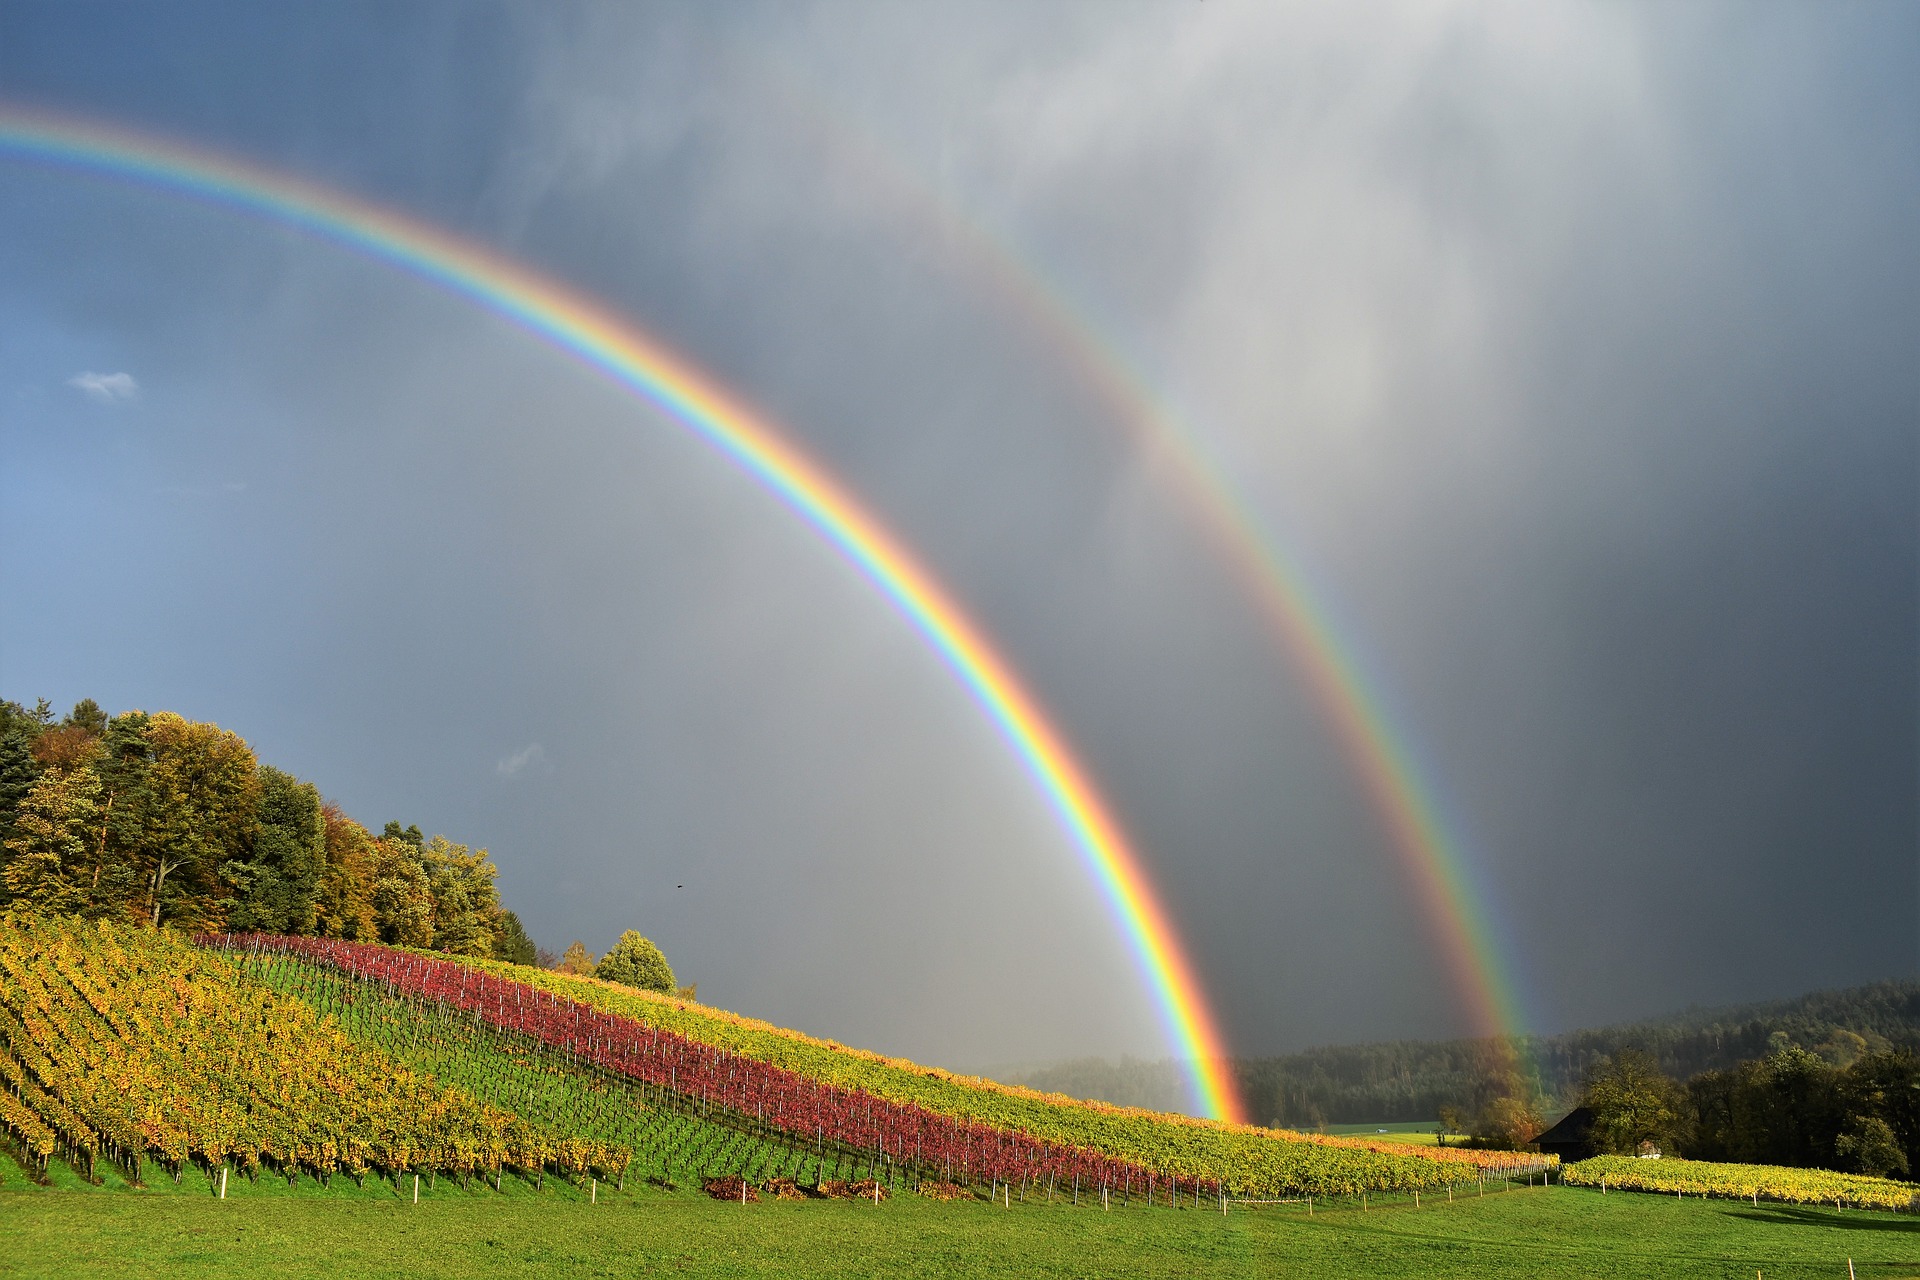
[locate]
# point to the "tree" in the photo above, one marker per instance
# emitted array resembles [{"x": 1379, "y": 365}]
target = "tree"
[
  {"x": 66, "y": 747},
  {"x": 1633, "y": 1102},
  {"x": 86, "y": 715},
  {"x": 577, "y": 958},
  {"x": 1868, "y": 1146},
  {"x": 402, "y": 835},
  {"x": 636, "y": 962},
  {"x": 402, "y": 896},
  {"x": 1508, "y": 1123},
  {"x": 47, "y": 854},
  {"x": 343, "y": 899},
  {"x": 118, "y": 882},
  {"x": 201, "y": 796},
  {"x": 19, "y": 770},
  {"x": 511, "y": 942},
  {"x": 1887, "y": 1086},
  {"x": 275, "y": 885},
  {"x": 466, "y": 907}
]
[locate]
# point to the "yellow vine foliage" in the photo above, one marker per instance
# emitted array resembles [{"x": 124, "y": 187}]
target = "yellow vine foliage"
[
  {"x": 1250, "y": 1157},
  {"x": 1741, "y": 1182},
  {"x": 128, "y": 1042}
]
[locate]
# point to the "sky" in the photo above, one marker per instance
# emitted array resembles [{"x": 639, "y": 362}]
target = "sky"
[{"x": 1568, "y": 351}]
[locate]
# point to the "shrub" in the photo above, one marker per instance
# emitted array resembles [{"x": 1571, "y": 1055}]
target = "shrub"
[{"x": 636, "y": 962}]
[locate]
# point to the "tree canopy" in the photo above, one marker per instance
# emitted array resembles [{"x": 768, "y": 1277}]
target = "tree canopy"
[
  {"x": 170, "y": 821},
  {"x": 636, "y": 962}
]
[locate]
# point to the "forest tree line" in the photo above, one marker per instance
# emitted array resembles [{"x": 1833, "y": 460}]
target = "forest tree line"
[
  {"x": 1827, "y": 1079},
  {"x": 1790, "y": 1107},
  {"x": 1414, "y": 1079},
  {"x": 169, "y": 821}
]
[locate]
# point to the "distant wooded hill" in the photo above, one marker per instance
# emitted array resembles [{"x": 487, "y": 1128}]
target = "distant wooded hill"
[{"x": 1413, "y": 1079}]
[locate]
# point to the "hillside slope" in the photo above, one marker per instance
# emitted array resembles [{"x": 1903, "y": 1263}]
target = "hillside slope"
[
  {"x": 128, "y": 1044},
  {"x": 913, "y": 1113}
]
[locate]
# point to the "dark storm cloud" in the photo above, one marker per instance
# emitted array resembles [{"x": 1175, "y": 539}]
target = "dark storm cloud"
[{"x": 1572, "y": 345}]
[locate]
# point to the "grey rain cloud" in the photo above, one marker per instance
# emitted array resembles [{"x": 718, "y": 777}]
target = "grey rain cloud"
[{"x": 1568, "y": 350}]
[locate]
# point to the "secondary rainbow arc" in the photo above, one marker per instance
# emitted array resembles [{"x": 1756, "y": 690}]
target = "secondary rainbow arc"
[
  {"x": 1379, "y": 744},
  {"x": 620, "y": 350}
]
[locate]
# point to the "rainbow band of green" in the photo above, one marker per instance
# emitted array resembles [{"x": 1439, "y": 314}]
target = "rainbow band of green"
[
  {"x": 617, "y": 349},
  {"x": 1379, "y": 749}
]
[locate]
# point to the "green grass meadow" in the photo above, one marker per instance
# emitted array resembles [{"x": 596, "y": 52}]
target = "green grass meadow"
[
  {"x": 269, "y": 1228},
  {"x": 1416, "y": 1133}
]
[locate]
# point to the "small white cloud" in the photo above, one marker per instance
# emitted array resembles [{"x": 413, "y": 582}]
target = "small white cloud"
[
  {"x": 106, "y": 388},
  {"x": 531, "y": 756}
]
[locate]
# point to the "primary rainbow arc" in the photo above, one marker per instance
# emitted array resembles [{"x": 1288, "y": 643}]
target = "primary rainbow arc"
[{"x": 617, "y": 348}]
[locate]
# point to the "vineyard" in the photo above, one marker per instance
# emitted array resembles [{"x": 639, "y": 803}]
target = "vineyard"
[
  {"x": 128, "y": 1045},
  {"x": 1265, "y": 1158},
  {"x": 1007, "y": 1138},
  {"x": 1755, "y": 1182},
  {"x": 291, "y": 1056},
  {"x": 671, "y": 1138}
]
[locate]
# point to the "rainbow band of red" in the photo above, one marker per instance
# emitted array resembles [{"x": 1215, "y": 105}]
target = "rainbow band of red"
[{"x": 616, "y": 348}]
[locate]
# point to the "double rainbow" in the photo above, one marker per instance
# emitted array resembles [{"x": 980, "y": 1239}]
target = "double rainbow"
[
  {"x": 1379, "y": 744},
  {"x": 616, "y": 348}
]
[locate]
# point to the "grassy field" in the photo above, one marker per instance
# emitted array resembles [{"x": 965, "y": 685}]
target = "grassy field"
[
  {"x": 270, "y": 1228},
  {"x": 1416, "y": 1133}
]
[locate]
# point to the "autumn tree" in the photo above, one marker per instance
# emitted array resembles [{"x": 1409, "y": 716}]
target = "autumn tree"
[
  {"x": 576, "y": 959},
  {"x": 1508, "y": 1123},
  {"x": 635, "y": 961},
  {"x": 343, "y": 898},
  {"x": 163, "y": 819},
  {"x": 200, "y": 813},
  {"x": 466, "y": 907},
  {"x": 402, "y": 896},
  {"x": 66, "y": 747},
  {"x": 46, "y": 859}
]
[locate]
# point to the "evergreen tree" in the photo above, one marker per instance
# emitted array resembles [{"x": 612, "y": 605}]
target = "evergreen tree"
[
  {"x": 118, "y": 882},
  {"x": 274, "y": 886},
  {"x": 636, "y": 962},
  {"x": 19, "y": 770},
  {"x": 511, "y": 943},
  {"x": 87, "y": 716}
]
